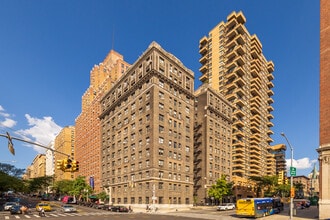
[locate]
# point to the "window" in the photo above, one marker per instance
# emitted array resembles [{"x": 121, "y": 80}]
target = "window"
[{"x": 161, "y": 163}]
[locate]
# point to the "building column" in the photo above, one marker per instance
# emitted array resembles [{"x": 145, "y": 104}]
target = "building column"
[{"x": 324, "y": 181}]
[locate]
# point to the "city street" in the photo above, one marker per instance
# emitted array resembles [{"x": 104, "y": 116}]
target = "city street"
[{"x": 198, "y": 213}]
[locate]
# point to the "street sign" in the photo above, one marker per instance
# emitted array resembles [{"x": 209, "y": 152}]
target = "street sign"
[{"x": 293, "y": 171}]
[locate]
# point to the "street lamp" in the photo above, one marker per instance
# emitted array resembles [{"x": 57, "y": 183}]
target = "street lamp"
[{"x": 291, "y": 176}]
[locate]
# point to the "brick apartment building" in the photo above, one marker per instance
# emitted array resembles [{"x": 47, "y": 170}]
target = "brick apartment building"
[
  {"x": 324, "y": 148},
  {"x": 147, "y": 123}
]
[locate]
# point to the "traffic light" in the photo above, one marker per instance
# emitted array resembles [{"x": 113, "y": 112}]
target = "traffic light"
[
  {"x": 292, "y": 192},
  {"x": 59, "y": 165},
  {"x": 67, "y": 164},
  {"x": 75, "y": 166},
  {"x": 280, "y": 179}
]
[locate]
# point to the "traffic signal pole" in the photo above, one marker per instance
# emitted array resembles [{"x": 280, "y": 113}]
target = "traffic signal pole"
[{"x": 11, "y": 146}]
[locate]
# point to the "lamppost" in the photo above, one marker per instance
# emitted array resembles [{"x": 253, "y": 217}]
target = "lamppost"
[{"x": 291, "y": 177}]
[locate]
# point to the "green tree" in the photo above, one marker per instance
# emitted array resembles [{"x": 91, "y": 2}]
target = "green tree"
[
  {"x": 8, "y": 182},
  {"x": 102, "y": 195},
  {"x": 63, "y": 187},
  {"x": 265, "y": 185},
  {"x": 221, "y": 188},
  {"x": 283, "y": 190},
  {"x": 40, "y": 183},
  {"x": 11, "y": 170},
  {"x": 79, "y": 185}
]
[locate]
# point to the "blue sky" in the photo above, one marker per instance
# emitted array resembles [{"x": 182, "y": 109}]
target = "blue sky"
[{"x": 47, "y": 49}]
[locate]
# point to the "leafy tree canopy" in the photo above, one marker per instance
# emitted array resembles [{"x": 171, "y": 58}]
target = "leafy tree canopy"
[{"x": 221, "y": 188}]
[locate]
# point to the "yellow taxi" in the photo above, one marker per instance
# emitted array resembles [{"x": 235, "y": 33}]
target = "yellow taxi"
[{"x": 46, "y": 206}]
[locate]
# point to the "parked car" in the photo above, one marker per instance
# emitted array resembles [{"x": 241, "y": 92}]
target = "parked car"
[
  {"x": 16, "y": 209},
  {"x": 119, "y": 208},
  {"x": 226, "y": 206},
  {"x": 45, "y": 206},
  {"x": 68, "y": 208},
  {"x": 7, "y": 206}
]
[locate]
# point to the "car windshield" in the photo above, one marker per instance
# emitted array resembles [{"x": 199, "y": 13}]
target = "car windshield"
[{"x": 68, "y": 206}]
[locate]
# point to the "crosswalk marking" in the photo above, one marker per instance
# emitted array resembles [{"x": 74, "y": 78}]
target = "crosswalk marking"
[{"x": 33, "y": 216}]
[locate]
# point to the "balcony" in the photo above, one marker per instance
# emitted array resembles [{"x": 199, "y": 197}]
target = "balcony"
[
  {"x": 237, "y": 166},
  {"x": 204, "y": 78},
  {"x": 270, "y": 124},
  {"x": 254, "y": 53},
  {"x": 270, "y": 108},
  {"x": 238, "y": 160},
  {"x": 240, "y": 50},
  {"x": 231, "y": 33},
  {"x": 231, "y": 96},
  {"x": 237, "y": 145},
  {"x": 238, "y": 133},
  {"x": 203, "y": 50},
  {"x": 255, "y": 123},
  {"x": 231, "y": 75},
  {"x": 203, "y": 41},
  {"x": 203, "y": 59},
  {"x": 255, "y": 129},
  {"x": 238, "y": 123},
  {"x": 270, "y": 100},
  {"x": 255, "y": 92},
  {"x": 254, "y": 142},
  {"x": 240, "y": 40},
  {"x": 231, "y": 85},
  {"x": 240, "y": 82},
  {"x": 255, "y": 136},
  {"x": 270, "y": 132},
  {"x": 240, "y": 101},
  {"x": 239, "y": 71},
  {"x": 254, "y": 70},
  {"x": 239, "y": 60},
  {"x": 270, "y": 116},
  {"x": 270, "y": 92},
  {"x": 255, "y": 110},
  {"x": 270, "y": 68},
  {"x": 256, "y": 118},
  {"x": 203, "y": 69},
  {"x": 238, "y": 172},
  {"x": 270, "y": 84}
]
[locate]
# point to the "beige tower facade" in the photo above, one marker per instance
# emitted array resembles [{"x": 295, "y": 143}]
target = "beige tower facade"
[
  {"x": 88, "y": 129},
  {"x": 37, "y": 167},
  {"x": 147, "y": 133},
  {"x": 233, "y": 64},
  {"x": 212, "y": 140},
  {"x": 324, "y": 148},
  {"x": 64, "y": 143}
]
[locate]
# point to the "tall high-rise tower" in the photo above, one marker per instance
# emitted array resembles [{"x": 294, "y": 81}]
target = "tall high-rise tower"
[
  {"x": 324, "y": 149},
  {"x": 233, "y": 63},
  {"x": 88, "y": 130}
]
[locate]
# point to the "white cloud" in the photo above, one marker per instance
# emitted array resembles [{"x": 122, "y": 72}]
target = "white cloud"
[
  {"x": 42, "y": 130},
  {"x": 303, "y": 163},
  {"x": 5, "y": 119},
  {"x": 9, "y": 123}
]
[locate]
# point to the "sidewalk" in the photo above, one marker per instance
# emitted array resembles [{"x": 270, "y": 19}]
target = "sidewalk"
[{"x": 207, "y": 212}]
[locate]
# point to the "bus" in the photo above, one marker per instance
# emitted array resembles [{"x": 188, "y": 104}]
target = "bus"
[{"x": 258, "y": 207}]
